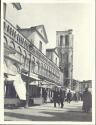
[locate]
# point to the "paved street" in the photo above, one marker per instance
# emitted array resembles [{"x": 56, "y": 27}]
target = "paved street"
[{"x": 46, "y": 112}]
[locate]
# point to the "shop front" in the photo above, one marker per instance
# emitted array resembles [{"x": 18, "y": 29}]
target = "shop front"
[{"x": 14, "y": 86}]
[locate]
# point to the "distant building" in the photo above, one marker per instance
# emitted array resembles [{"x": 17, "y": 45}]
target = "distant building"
[
  {"x": 52, "y": 54},
  {"x": 84, "y": 84},
  {"x": 75, "y": 85},
  {"x": 64, "y": 42}
]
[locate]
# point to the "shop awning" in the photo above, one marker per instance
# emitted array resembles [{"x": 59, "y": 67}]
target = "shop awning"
[
  {"x": 35, "y": 77},
  {"x": 47, "y": 84},
  {"x": 30, "y": 78},
  {"x": 13, "y": 75},
  {"x": 34, "y": 83},
  {"x": 20, "y": 87},
  {"x": 18, "y": 84}
]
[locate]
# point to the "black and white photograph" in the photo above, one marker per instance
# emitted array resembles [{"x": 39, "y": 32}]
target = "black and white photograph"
[{"x": 48, "y": 61}]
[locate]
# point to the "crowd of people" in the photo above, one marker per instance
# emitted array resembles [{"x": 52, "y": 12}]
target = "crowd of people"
[{"x": 60, "y": 96}]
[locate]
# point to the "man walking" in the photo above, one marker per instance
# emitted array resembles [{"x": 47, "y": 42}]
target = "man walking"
[
  {"x": 55, "y": 97},
  {"x": 69, "y": 97},
  {"x": 45, "y": 96},
  {"x": 62, "y": 96}
]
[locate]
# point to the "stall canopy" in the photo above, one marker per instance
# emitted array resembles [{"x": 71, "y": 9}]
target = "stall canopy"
[
  {"x": 20, "y": 87},
  {"x": 30, "y": 78},
  {"x": 18, "y": 83}
]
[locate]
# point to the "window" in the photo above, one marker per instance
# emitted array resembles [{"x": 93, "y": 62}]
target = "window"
[
  {"x": 46, "y": 70},
  {"x": 40, "y": 46},
  {"x": 10, "y": 31},
  {"x": 66, "y": 71},
  {"x": 19, "y": 53},
  {"x": 8, "y": 28},
  {"x": 67, "y": 58},
  {"x": 24, "y": 58},
  {"x": 32, "y": 41},
  {"x": 56, "y": 61},
  {"x": 66, "y": 40},
  {"x": 33, "y": 65},
  {"x": 5, "y": 41},
  {"x": 61, "y": 40},
  {"x": 12, "y": 45},
  {"x": 41, "y": 31},
  {"x": 37, "y": 66},
  {"x": 41, "y": 68}
]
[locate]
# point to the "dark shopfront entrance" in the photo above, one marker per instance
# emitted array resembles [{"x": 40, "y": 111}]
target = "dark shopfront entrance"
[
  {"x": 10, "y": 91},
  {"x": 11, "y": 98}
]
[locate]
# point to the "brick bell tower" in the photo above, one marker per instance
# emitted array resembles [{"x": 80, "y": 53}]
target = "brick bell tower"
[{"x": 64, "y": 43}]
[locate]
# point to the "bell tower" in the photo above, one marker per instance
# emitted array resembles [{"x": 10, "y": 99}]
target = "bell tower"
[{"x": 64, "y": 43}]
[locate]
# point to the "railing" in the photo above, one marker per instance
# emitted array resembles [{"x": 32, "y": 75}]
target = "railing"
[{"x": 12, "y": 33}]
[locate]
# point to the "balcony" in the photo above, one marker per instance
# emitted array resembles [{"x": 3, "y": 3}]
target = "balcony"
[{"x": 11, "y": 34}]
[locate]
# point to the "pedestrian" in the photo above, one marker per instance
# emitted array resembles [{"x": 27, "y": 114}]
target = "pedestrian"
[
  {"x": 69, "y": 97},
  {"x": 81, "y": 96},
  {"x": 45, "y": 96},
  {"x": 62, "y": 96},
  {"x": 75, "y": 97},
  {"x": 87, "y": 100},
  {"x": 55, "y": 97}
]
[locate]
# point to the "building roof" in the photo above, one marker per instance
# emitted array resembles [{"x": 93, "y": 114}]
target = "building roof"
[
  {"x": 86, "y": 81},
  {"x": 17, "y": 6},
  {"x": 31, "y": 30},
  {"x": 52, "y": 50},
  {"x": 66, "y": 31}
]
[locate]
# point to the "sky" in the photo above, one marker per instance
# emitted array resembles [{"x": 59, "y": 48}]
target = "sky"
[{"x": 62, "y": 17}]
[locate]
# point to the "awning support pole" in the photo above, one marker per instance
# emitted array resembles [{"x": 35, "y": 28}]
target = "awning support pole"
[{"x": 27, "y": 86}]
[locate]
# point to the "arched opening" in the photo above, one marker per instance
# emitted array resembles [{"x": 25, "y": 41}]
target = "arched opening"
[
  {"x": 24, "y": 58},
  {"x": 12, "y": 45},
  {"x": 33, "y": 65},
  {"x": 19, "y": 53},
  {"x": 5, "y": 41}
]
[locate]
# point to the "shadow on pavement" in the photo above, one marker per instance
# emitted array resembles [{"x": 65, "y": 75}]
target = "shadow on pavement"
[{"x": 56, "y": 116}]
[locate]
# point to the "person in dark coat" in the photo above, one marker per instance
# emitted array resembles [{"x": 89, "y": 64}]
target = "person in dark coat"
[
  {"x": 87, "y": 100},
  {"x": 75, "y": 96},
  {"x": 62, "y": 96},
  {"x": 69, "y": 97},
  {"x": 45, "y": 96},
  {"x": 55, "y": 96}
]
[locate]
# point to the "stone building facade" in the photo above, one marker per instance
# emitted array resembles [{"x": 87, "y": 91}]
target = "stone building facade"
[
  {"x": 27, "y": 70},
  {"x": 52, "y": 54}
]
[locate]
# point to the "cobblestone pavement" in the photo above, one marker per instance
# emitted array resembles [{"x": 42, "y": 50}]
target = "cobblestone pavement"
[{"x": 47, "y": 112}]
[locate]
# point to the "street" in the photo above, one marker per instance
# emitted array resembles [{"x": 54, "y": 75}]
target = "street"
[{"x": 46, "y": 112}]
